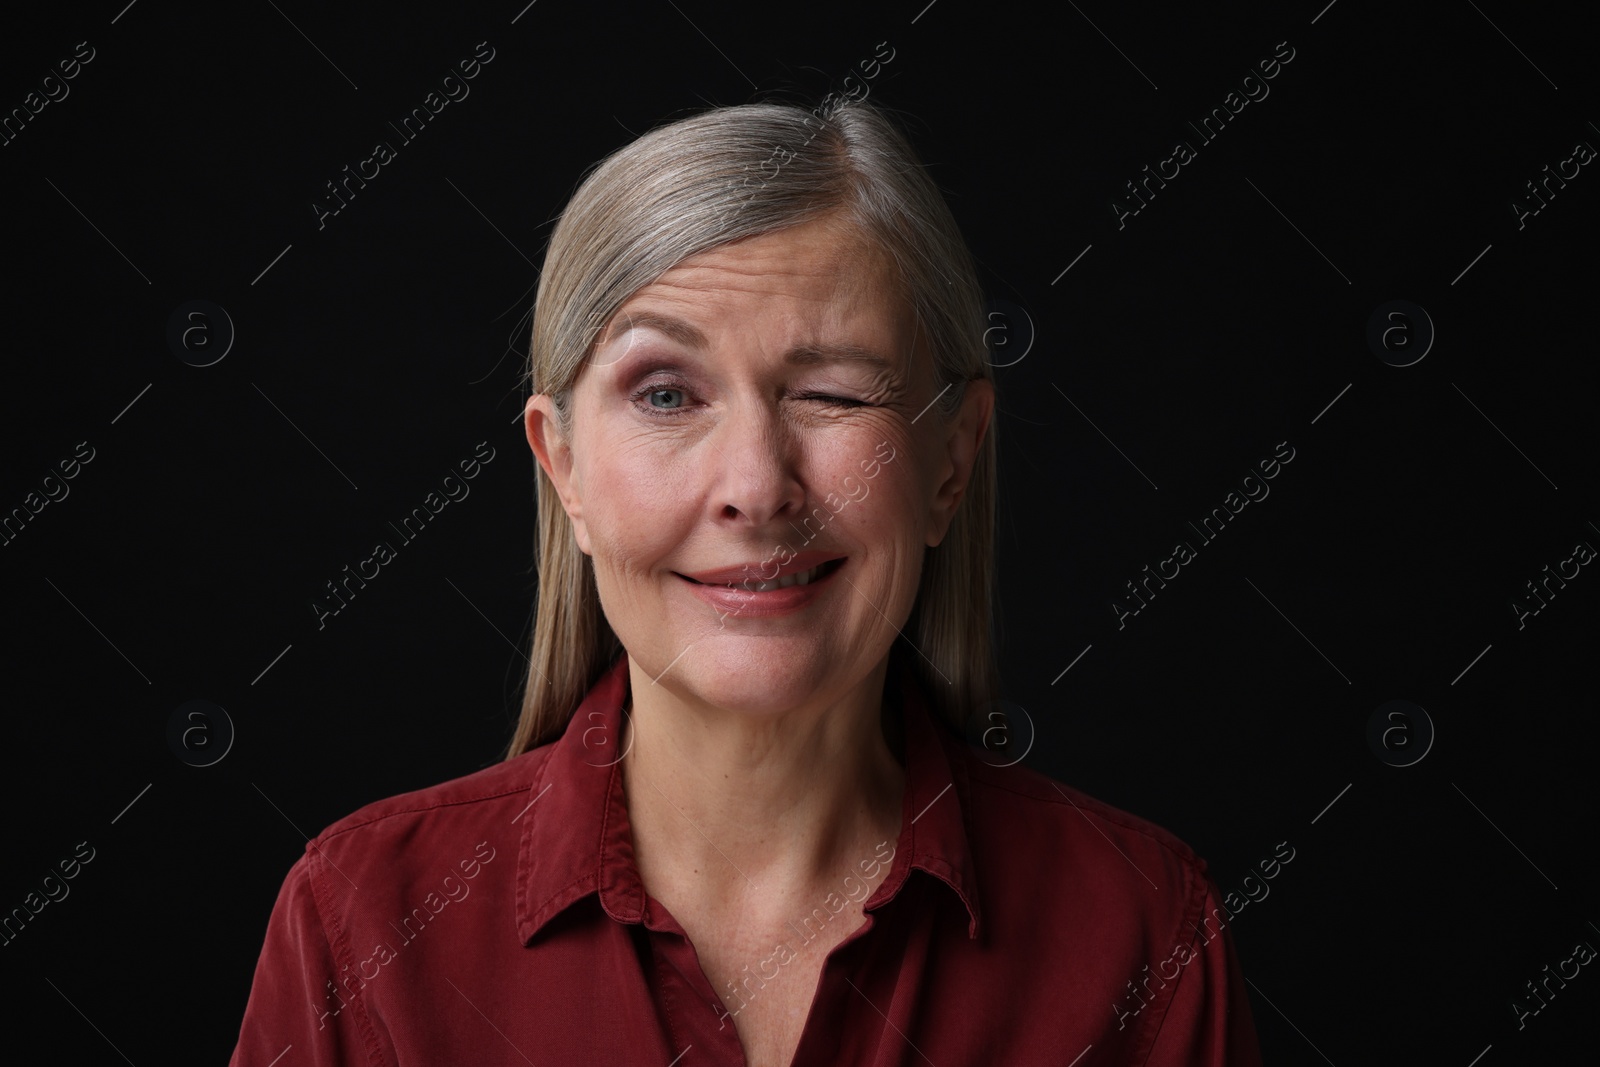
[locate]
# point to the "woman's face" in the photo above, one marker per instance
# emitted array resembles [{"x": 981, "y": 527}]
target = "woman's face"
[{"x": 757, "y": 417}]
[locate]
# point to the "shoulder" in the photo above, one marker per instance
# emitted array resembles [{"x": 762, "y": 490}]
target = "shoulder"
[
  {"x": 1003, "y": 794},
  {"x": 366, "y": 889},
  {"x": 1027, "y": 828},
  {"x": 425, "y": 826},
  {"x": 472, "y": 792}
]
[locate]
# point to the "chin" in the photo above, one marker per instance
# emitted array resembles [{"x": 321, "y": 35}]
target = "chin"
[{"x": 749, "y": 673}]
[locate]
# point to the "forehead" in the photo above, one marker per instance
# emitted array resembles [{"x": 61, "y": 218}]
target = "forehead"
[{"x": 825, "y": 273}]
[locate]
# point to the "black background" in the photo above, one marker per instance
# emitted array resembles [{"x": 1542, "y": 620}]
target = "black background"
[{"x": 1179, "y": 349}]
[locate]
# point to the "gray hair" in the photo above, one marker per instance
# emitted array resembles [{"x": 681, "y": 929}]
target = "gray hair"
[{"x": 688, "y": 187}]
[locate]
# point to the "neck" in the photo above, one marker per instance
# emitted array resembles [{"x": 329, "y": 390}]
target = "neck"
[{"x": 734, "y": 807}]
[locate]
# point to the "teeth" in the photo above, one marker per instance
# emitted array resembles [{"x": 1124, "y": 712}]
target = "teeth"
[{"x": 801, "y": 578}]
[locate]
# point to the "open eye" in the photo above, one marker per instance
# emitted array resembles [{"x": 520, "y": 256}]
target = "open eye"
[
  {"x": 665, "y": 398},
  {"x": 661, "y": 398}
]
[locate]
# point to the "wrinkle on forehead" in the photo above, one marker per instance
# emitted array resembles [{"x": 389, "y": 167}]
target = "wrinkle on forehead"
[{"x": 836, "y": 258}]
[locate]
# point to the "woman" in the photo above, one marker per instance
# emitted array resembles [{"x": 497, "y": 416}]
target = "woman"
[{"x": 737, "y": 824}]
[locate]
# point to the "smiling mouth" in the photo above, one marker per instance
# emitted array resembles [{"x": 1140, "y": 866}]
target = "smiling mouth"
[{"x": 821, "y": 570}]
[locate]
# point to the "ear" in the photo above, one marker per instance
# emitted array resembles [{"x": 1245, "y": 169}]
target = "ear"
[
  {"x": 554, "y": 453},
  {"x": 961, "y": 441}
]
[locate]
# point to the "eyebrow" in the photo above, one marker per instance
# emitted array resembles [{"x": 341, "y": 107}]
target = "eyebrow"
[
  {"x": 807, "y": 354},
  {"x": 677, "y": 329}
]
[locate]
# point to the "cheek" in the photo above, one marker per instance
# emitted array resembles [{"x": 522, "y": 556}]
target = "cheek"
[
  {"x": 896, "y": 476},
  {"x": 884, "y": 509},
  {"x": 885, "y": 517},
  {"x": 638, "y": 502},
  {"x": 875, "y": 447}
]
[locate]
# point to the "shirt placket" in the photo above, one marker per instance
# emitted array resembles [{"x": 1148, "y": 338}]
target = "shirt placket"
[{"x": 685, "y": 998}]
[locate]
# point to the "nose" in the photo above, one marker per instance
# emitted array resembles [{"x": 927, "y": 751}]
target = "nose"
[{"x": 756, "y": 467}]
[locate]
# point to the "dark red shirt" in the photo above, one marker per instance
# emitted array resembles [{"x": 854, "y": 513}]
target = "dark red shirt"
[{"x": 500, "y": 919}]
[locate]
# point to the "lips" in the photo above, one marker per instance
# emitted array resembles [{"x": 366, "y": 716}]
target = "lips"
[
  {"x": 754, "y": 576},
  {"x": 751, "y": 591},
  {"x": 749, "y": 582}
]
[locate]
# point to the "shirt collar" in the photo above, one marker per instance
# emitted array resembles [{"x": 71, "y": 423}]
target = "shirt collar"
[{"x": 576, "y": 837}]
